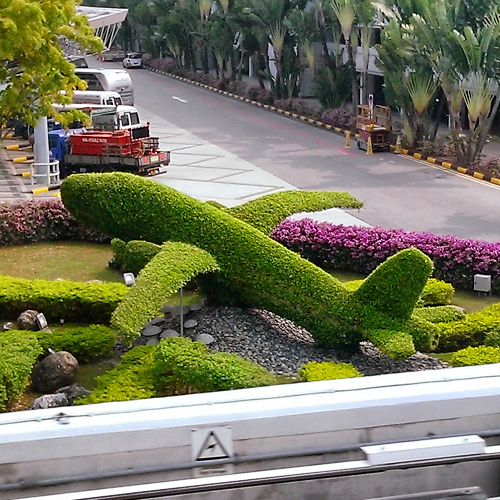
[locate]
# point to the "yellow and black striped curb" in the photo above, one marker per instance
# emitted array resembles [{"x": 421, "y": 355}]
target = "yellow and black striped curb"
[
  {"x": 45, "y": 189},
  {"x": 318, "y": 123}
]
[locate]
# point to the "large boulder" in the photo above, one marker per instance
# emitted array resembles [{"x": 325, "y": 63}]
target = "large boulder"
[
  {"x": 27, "y": 320},
  {"x": 55, "y": 371}
]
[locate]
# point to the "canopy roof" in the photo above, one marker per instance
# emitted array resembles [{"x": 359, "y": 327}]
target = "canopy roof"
[{"x": 105, "y": 21}]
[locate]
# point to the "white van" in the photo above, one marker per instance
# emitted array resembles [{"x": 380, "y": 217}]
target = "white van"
[
  {"x": 115, "y": 80},
  {"x": 103, "y": 97},
  {"x": 118, "y": 118}
]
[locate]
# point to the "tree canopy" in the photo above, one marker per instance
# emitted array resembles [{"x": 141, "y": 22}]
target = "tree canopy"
[{"x": 33, "y": 68}]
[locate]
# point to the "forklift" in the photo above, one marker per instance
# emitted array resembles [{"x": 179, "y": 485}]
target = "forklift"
[{"x": 373, "y": 122}]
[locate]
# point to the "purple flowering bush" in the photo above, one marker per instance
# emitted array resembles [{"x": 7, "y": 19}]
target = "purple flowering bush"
[
  {"x": 362, "y": 249},
  {"x": 33, "y": 221}
]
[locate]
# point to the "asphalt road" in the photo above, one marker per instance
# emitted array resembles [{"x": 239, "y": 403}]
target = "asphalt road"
[{"x": 397, "y": 192}]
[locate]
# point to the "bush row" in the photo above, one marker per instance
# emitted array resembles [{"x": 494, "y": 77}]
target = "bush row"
[
  {"x": 257, "y": 269},
  {"x": 86, "y": 343},
  {"x": 19, "y": 351},
  {"x": 73, "y": 301},
  {"x": 34, "y": 221},
  {"x": 314, "y": 371},
  {"x": 482, "y": 355},
  {"x": 362, "y": 249}
]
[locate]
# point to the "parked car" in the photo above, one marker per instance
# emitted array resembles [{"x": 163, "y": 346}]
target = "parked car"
[
  {"x": 132, "y": 60},
  {"x": 113, "y": 55}
]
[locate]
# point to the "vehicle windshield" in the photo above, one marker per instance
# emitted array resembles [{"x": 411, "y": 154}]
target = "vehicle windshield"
[{"x": 134, "y": 56}]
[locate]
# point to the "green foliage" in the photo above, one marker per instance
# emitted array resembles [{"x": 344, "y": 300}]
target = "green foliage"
[
  {"x": 439, "y": 314},
  {"x": 314, "y": 371},
  {"x": 436, "y": 293},
  {"x": 396, "y": 345},
  {"x": 183, "y": 366},
  {"x": 30, "y": 36},
  {"x": 266, "y": 212},
  {"x": 72, "y": 301},
  {"x": 333, "y": 89},
  {"x": 86, "y": 343},
  {"x": 257, "y": 269},
  {"x": 470, "y": 331},
  {"x": 481, "y": 355},
  {"x": 131, "y": 379},
  {"x": 131, "y": 257},
  {"x": 492, "y": 338},
  {"x": 164, "y": 275},
  {"x": 19, "y": 351},
  {"x": 424, "y": 333}
]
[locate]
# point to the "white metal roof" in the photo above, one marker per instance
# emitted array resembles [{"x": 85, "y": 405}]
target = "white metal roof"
[{"x": 105, "y": 21}]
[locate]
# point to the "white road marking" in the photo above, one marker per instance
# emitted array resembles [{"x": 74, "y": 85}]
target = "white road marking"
[{"x": 178, "y": 99}]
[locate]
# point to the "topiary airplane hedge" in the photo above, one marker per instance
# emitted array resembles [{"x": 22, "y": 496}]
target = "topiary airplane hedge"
[{"x": 248, "y": 265}]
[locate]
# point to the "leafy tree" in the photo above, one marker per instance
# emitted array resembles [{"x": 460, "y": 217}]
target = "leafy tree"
[{"x": 34, "y": 70}]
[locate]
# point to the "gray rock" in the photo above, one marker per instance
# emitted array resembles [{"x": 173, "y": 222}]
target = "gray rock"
[
  {"x": 157, "y": 321},
  {"x": 73, "y": 391},
  {"x": 10, "y": 325},
  {"x": 206, "y": 338},
  {"x": 55, "y": 371},
  {"x": 50, "y": 401},
  {"x": 27, "y": 320},
  {"x": 153, "y": 341},
  {"x": 190, "y": 323},
  {"x": 151, "y": 331},
  {"x": 167, "y": 308},
  {"x": 195, "y": 307},
  {"x": 165, "y": 334}
]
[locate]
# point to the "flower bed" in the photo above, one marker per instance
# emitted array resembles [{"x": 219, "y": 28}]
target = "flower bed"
[{"x": 362, "y": 249}]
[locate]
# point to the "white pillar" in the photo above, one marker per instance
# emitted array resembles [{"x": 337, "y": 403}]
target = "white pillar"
[{"x": 41, "y": 151}]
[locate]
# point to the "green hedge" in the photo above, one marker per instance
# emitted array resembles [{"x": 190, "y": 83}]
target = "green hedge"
[
  {"x": 131, "y": 379},
  {"x": 86, "y": 343},
  {"x": 131, "y": 257},
  {"x": 471, "y": 331},
  {"x": 19, "y": 352},
  {"x": 266, "y": 212},
  {"x": 257, "y": 269},
  {"x": 482, "y": 355},
  {"x": 315, "y": 371},
  {"x": 439, "y": 314},
  {"x": 167, "y": 272},
  {"x": 72, "y": 301},
  {"x": 183, "y": 366}
]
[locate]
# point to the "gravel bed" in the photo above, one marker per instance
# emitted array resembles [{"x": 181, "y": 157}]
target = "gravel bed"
[{"x": 281, "y": 346}]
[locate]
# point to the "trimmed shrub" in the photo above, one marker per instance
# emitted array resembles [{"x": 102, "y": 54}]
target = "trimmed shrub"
[
  {"x": 183, "y": 366},
  {"x": 131, "y": 257},
  {"x": 492, "y": 338},
  {"x": 33, "y": 221},
  {"x": 436, "y": 293},
  {"x": 439, "y": 314},
  {"x": 266, "y": 212},
  {"x": 257, "y": 269},
  {"x": 73, "y": 301},
  {"x": 343, "y": 117},
  {"x": 314, "y": 371},
  {"x": 86, "y": 343},
  {"x": 471, "y": 331},
  {"x": 482, "y": 355},
  {"x": 362, "y": 249},
  {"x": 397, "y": 345},
  {"x": 167, "y": 272},
  {"x": 130, "y": 379},
  {"x": 19, "y": 352}
]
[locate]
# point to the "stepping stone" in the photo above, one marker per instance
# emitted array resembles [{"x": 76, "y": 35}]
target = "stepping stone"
[
  {"x": 157, "y": 321},
  {"x": 206, "y": 338},
  {"x": 190, "y": 323},
  {"x": 167, "y": 308},
  {"x": 195, "y": 307},
  {"x": 176, "y": 311},
  {"x": 151, "y": 331},
  {"x": 153, "y": 341},
  {"x": 166, "y": 334}
]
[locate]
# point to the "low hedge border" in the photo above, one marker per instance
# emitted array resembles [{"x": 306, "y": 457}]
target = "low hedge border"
[
  {"x": 73, "y": 301},
  {"x": 19, "y": 352},
  {"x": 315, "y": 371}
]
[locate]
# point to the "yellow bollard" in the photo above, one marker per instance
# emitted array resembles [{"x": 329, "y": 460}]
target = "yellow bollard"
[
  {"x": 397, "y": 148},
  {"x": 347, "y": 139},
  {"x": 369, "y": 149}
]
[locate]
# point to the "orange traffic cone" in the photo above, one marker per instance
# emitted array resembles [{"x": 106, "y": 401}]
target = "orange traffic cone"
[
  {"x": 369, "y": 150},
  {"x": 347, "y": 139}
]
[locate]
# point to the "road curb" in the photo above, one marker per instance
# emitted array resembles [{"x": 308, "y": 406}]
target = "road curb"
[{"x": 317, "y": 123}]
